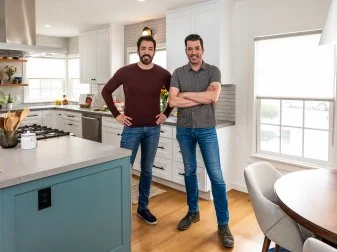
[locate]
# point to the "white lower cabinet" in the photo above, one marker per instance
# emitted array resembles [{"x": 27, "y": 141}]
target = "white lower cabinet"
[
  {"x": 34, "y": 117},
  {"x": 111, "y": 131},
  {"x": 48, "y": 118},
  {"x": 178, "y": 173},
  {"x": 168, "y": 164},
  {"x": 162, "y": 168},
  {"x": 178, "y": 167},
  {"x": 59, "y": 120},
  {"x": 72, "y": 122}
]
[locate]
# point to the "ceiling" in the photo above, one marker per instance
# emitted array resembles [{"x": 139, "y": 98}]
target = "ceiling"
[{"x": 69, "y": 17}]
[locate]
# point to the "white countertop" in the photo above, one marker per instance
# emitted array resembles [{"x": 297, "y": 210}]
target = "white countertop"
[{"x": 53, "y": 156}]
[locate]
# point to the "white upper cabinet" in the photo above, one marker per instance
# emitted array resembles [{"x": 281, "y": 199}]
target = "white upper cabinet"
[
  {"x": 212, "y": 20},
  {"x": 101, "y": 54}
]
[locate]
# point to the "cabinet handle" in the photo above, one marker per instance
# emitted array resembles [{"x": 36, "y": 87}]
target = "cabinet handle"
[
  {"x": 118, "y": 134},
  {"x": 182, "y": 174},
  {"x": 90, "y": 118},
  {"x": 180, "y": 151},
  {"x": 32, "y": 115},
  {"x": 70, "y": 124},
  {"x": 160, "y": 168},
  {"x": 70, "y": 116},
  {"x": 161, "y": 147},
  {"x": 162, "y": 131}
]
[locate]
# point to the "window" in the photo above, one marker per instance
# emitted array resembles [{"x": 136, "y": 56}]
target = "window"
[
  {"x": 159, "y": 57},
  {"x": 294, "y": 91},
  {"x": 46, "y": 78},
  {"x": 75, "y": 88}
]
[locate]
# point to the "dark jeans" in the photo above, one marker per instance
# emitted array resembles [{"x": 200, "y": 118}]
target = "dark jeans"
[
  {"x": 147, "y": 138},
  {"x": 207, "y": 140}
]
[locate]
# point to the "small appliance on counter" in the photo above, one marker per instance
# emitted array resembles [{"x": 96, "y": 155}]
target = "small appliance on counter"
[
  {"x": 86, "y": 100},
  {"x": 28, "y": 140}
]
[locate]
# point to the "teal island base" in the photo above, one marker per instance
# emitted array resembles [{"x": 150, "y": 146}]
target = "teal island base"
[{"x": 83, "y": 210}]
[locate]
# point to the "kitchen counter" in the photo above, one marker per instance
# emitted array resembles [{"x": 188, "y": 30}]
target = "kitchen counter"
[
  {"x": 53, "y": 156},
  {"x": 170, "y": 121}
]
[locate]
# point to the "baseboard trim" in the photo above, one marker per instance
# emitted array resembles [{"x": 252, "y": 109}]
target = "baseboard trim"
[{"x": 239, "y": 187}]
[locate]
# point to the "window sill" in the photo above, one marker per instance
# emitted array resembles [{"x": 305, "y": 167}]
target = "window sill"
[{"x": 289, "y": 165}]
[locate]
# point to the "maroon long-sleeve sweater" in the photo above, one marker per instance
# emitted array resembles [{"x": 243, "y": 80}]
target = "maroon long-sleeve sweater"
[{"x": 142, "y": 93}]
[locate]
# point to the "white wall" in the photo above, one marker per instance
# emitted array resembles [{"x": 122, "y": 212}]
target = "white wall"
[{"x": 254, "y": 18}]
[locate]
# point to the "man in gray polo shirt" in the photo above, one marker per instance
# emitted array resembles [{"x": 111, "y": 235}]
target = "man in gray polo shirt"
[{"x": 194, "y": 89}]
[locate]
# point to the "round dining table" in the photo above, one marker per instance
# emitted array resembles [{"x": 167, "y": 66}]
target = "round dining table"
[{"x": 309, "y": 197}]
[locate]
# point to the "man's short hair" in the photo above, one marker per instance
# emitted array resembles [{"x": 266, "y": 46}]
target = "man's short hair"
[
  {"x": 194, "y": 37},
  {"x": 146, "y": 38}
]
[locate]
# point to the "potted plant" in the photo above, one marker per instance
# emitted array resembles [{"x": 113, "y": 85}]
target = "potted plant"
[{"x": 10, "y": 71}]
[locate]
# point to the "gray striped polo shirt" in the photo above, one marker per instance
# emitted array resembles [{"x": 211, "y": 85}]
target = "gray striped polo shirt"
[{"x": 187, "y": 80}]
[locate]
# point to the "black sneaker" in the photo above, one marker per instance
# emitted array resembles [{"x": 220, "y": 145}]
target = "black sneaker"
[
  {"x": 187, "y": 221},
  {"x": 225, "y": 236},
  {"x": 147, "y": 216}
]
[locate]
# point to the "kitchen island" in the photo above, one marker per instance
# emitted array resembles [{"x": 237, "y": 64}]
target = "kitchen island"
[{"x": 69, "y": 194}]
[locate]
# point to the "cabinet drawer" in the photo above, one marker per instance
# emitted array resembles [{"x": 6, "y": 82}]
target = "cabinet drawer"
[
  {"x": 166, "y": 131},
  {"x": 162, "y": 168},
  {"x": 48, "y": 113},
  {"x": 177, "y": 156},
  {"x": 34, "y": 117},
  {"x": 111, "y": 135},
  {"x": 72, "y": 116},
  {"x": 178, "y": 176},
  {"x": 114, "y": 131},
  {"x": 111, "y": 122},
  {"x": 164, "y": 149}
]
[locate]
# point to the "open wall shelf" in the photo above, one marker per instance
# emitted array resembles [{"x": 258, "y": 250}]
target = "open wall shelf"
[{"x": 13, "y": 85}]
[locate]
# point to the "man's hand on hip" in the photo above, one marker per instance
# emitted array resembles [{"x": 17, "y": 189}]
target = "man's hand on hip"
[
  {"x": 161, "y": 118},
  {"x": 125, "y": 120}
]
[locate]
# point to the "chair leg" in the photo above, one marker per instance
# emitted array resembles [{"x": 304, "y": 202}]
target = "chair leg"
[
  {"x": 266, "y": 244},
  {"x": 277, "y": 248}
]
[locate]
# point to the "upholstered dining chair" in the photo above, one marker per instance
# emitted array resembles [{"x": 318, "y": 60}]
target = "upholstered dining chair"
[
  {"x": 274, "y": 223},
  {"x": 314, "y": 245}
]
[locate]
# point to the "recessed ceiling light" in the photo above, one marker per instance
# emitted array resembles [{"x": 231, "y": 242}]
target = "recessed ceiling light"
[
  {"x": 47, "y": 26},
  {"x": 141, "y": 0}
]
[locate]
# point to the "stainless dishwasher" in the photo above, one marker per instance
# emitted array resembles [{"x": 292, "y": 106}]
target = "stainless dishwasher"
[{"x": 91, "y": 127}]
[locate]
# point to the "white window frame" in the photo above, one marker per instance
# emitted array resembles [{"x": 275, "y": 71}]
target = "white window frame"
[
  {"x": 26, "y": 89},
  {"x": 287, "y": 159},
  {"x": 291, "y": 157}
]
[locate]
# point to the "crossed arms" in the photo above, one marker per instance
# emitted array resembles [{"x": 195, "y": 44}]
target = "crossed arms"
[{"x": 190, "y": 99}]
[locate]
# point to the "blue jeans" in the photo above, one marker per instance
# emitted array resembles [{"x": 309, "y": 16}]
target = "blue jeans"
[
  {"x": 207, "y": 140},
  {"x": 147, "y": 138}
]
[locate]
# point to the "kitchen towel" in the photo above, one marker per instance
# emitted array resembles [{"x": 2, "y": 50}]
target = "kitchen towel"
[{"x": 153, "y": 192}]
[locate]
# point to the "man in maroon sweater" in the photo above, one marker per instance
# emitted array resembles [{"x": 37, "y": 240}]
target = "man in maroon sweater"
[{"x": 142, "y": 83}]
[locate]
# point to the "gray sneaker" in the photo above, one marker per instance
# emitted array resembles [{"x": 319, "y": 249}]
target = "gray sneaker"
[
  {"x": 225, "y": 236},
  {"x": 187, "y": 221}
]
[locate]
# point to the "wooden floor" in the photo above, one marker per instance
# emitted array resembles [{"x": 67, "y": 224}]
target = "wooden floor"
[{"x": 170, "y": 207}]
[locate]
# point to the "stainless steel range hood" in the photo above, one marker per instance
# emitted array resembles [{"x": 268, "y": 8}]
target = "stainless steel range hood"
[{"x": 18, "y": 30}]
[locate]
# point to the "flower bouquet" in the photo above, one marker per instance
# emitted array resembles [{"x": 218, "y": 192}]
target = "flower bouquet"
[{"x": 163, "y": 99}]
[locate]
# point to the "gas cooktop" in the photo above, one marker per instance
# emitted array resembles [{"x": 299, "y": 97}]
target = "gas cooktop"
[{"x": 42, "y": 132}]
